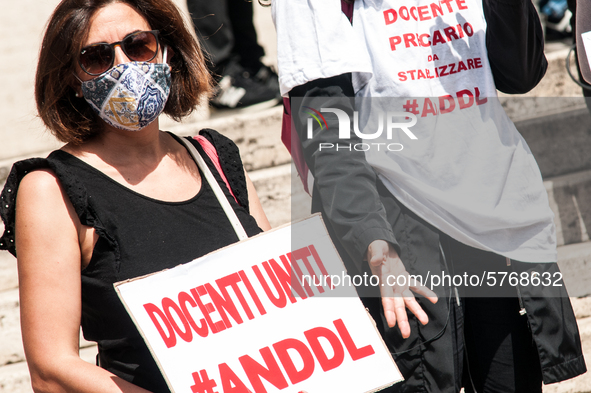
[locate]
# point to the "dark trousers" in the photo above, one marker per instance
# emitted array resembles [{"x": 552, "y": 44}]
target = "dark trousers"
[
  {"x": 225, "y": 29},
  {"x": 499, "y": 353}
]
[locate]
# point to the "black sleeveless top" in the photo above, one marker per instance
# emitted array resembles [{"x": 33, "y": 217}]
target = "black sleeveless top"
[{"x": 138, "y": 235}]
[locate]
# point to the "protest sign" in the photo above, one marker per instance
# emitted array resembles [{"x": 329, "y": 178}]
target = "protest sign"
[{"x": 267, "y": 314}]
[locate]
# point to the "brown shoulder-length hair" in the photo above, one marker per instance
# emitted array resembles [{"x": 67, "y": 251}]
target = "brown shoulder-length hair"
[{"x": 70, "y": 118}]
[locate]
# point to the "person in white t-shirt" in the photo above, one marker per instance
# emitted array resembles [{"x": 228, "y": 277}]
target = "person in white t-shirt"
[{"x": 450, "y": 190}]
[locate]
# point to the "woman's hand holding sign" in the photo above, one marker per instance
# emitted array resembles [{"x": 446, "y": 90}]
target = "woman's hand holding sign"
[{"x": 384, "y": 262}]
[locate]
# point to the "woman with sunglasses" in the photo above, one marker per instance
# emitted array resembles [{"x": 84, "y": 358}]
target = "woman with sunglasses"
[{"x": 121, "y": 198}]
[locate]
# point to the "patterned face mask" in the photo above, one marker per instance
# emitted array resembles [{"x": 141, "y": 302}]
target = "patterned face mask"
[{"x": 131, "y": 95}]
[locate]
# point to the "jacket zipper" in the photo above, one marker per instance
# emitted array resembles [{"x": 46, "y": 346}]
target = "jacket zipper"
[{"x": 522, "y": 310}]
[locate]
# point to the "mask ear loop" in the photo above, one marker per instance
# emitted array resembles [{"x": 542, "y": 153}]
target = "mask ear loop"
[
  {"x": 165, "y": 54},
  {"x": 76, "y": 93}
]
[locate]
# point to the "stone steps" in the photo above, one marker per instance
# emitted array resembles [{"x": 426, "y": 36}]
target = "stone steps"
[{"x": 560, "y": 141}]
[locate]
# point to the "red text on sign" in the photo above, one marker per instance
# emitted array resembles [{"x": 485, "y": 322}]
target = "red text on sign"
[
  {"x": 289, "y": 353},
  {"x": 425, "y": 40},
  {"x": 424, "y": 12},
  {"x": 445, "y": 104},
  {"x": 217, "y": 306},
  {"x": 441, "y": 70}
]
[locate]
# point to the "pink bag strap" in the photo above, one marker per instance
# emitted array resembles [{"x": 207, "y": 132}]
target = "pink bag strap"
[{"x": 212, "y": 153}]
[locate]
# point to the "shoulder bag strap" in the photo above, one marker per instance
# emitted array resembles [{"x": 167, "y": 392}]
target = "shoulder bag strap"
[
  {"x": 230, "y": 213},
  {"x": 212, "y": 153}
]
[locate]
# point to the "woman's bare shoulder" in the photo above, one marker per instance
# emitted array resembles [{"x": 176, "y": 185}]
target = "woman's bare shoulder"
[
  {"x": 40, "y": 183},
  {"x": 41, "y": 196}
]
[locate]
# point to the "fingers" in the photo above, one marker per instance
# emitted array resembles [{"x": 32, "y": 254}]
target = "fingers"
[
  {"x": 425, "y": 292},
  {"x": 396, "y": 299},
  {"x": 384, "y": 262},
  {"x": 414, "y": 307},
  {"x": 389, "y": 310},
  {"x": 401, "y": 316},
  {"x": 395, "y": 313}
]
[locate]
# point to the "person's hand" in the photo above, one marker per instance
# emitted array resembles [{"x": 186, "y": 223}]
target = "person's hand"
[{"x": 384, "y": 262}]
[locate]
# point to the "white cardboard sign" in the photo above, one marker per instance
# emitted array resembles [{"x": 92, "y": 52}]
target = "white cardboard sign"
[
  {"x": 586, "y": 37},
  {"x": 261, "y": 316}
]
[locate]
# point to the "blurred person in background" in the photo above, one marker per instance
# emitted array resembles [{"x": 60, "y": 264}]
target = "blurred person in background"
[{"x": 227, "y": 34}]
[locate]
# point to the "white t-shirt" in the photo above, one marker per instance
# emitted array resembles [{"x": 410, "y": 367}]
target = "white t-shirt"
[
  {"x": 315, "y": 40},
  {"x": 468, "y": 172}
]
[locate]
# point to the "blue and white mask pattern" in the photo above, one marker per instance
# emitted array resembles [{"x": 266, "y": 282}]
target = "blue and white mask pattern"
[{"x": 131, "y": 95}]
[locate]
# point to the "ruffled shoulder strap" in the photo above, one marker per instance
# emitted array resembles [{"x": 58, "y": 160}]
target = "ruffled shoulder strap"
[
  {"x": 8, "y": 198},
  {"x": 76, "y": 192}
]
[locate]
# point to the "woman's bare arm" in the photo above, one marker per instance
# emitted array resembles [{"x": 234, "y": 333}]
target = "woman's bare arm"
[{"x": 49, "y": 265}]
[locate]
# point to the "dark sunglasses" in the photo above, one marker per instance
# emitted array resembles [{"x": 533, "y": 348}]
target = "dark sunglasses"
[{"x": 139, "y": 46}]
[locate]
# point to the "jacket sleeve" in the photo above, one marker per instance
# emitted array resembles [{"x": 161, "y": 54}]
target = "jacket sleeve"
[
  {"x": 344, "y": 182},
  {"x": 515, "y": 44}
]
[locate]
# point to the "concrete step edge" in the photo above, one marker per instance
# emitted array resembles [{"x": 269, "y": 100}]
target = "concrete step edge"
[
  {"x": 574, "y": 261},
  {"x": 570, "y": 200},
  {"x": 270, "y": 173},
  {"x": 225, "y": 122}
]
